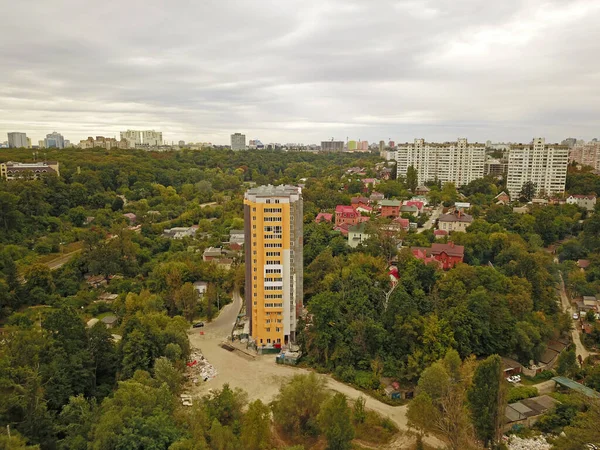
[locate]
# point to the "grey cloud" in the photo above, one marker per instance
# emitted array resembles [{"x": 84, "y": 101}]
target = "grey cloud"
[{"x": 302, "y": 70}]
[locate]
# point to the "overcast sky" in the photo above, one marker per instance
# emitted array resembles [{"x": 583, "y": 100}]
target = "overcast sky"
[{"x": 302, "y": 70}]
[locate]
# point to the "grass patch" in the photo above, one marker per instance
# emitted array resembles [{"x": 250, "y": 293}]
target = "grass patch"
[
  {"x": 516, "y": 393},
  {"x": 375, "y": 429}
]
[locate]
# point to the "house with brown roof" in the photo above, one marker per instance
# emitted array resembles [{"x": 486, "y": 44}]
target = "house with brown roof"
[{"x": 456, "y": 221}]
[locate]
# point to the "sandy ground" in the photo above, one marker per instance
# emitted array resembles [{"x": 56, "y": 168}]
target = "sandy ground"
[{"x": 261, "y": 378}]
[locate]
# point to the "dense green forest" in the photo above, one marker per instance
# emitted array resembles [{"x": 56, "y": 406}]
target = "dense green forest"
[{"x": 64, "y": 385}]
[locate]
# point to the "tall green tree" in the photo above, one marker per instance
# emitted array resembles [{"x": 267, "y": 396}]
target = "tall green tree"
[
  {"x": 528, "y": 191},
  {"x": 298, "y": 403},
  {"x": 486, "y": 399},
  {"x": 335, "y": 421},
  {"x": 412, "y": 178},
  {"x": 256, "y": 427}
]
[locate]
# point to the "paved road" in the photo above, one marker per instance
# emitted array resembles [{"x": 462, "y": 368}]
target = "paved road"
[
  {"x": 261, "y": 377},
  {"x": 575, "y": 334},
  {"x": 434, "y": 215}
]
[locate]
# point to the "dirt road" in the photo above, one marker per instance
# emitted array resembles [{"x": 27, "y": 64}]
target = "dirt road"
[
  {"x": 575, "y": 333},
  {"x": 261, "y": 377},
  {"x": 61, "y": 260}
]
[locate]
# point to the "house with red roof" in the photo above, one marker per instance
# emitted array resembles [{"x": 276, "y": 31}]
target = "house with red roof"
[
  {"x": 502, "y": 198},
  {"x": 446, "y": 256},
  {"x": 440, "y": 234},
  {"x": 404, "y": 223},
  {"x": 324, "y": 217},
  {"x": 364, "y": 209},
  {"x": 346, "y": 214},
  {"x": 343, "y": 228},
  {"x": 417, "y": 203}
]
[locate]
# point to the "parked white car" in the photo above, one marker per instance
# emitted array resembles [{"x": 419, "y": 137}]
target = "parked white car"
[
  {"x": 575, "y": 316},
  {"x": 514, "y": 379}
]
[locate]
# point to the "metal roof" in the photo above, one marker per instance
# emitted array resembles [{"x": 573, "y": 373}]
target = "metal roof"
[{"x": 571, "y": 384}]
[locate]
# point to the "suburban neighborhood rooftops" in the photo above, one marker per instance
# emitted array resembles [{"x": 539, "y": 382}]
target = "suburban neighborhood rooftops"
[
  {"x": 456, "y": 217},
  {"x": 344, "y": 209},
  {"x": 356, "y": 200},
  {"x": 390, "y": 203}
]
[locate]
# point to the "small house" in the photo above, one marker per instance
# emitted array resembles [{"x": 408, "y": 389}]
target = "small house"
[
  {"x": 390, "y": 208},
  {"x": 201, "y": 287},
  {"x": 357, "y": 235},
  {"x": 237, "y": 237},
  {"x": 324, "y": 217},
  {"x": 131, "y": 217},
  {"x": 110, "y": 321},
  {"x": 457, "y": 221}
]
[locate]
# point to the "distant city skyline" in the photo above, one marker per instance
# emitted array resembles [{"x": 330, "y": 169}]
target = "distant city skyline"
[{"x": 304, "y": 70}]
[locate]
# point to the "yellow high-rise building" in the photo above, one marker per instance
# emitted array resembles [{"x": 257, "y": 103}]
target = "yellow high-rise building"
[{"x": 274, "y": 273}]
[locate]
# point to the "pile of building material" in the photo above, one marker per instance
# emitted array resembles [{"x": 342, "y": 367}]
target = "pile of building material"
[
  {"x": 537, "y": 443},
  {"x": 199, "y": 369}
]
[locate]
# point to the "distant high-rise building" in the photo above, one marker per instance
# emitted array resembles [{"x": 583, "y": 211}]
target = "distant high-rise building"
[
  {"x": 543, "y": 164},
  {"x": 133, "y": 137},
  {"x": 17, "y": 140},
  {"x": 102, "y": 142},
  {"x": 238, "y": 141},
  {"x": 569, "y": 142},
  {"x": 152, "y": 138},
  {"x": 351, "y": 145},
  {"x": 495, "y": 168},
  {"x": 456, "y": 162},
  {"x": 362, "y": 146},
  {"x": 586, "y": 154},
  {"x": 181, "y": 143},
  {"x": 54, "y": 140},
  {"x": 391, "y": 144},
  {"x": 274, "y": 276},
  {"x": 381, "y": 148},
  {"x": 332, "y": 146}
]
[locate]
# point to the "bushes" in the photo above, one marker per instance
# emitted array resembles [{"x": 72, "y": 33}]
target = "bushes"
[
  {"x": 517, "y": 393},
  {"x": 557, "y": 419},
  {"x": 366, "y": 380}
]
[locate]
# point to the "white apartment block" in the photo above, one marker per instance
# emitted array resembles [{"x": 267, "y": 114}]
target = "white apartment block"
[
  {"x": 543, "y": 164},
  {"x": 238, "y": 141},
  {"x": 456, "y": 162},
  {"x": 18, "y": 140},
  {"x": 133, "y": 137},
  {"x": 152, "y": 138}
]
